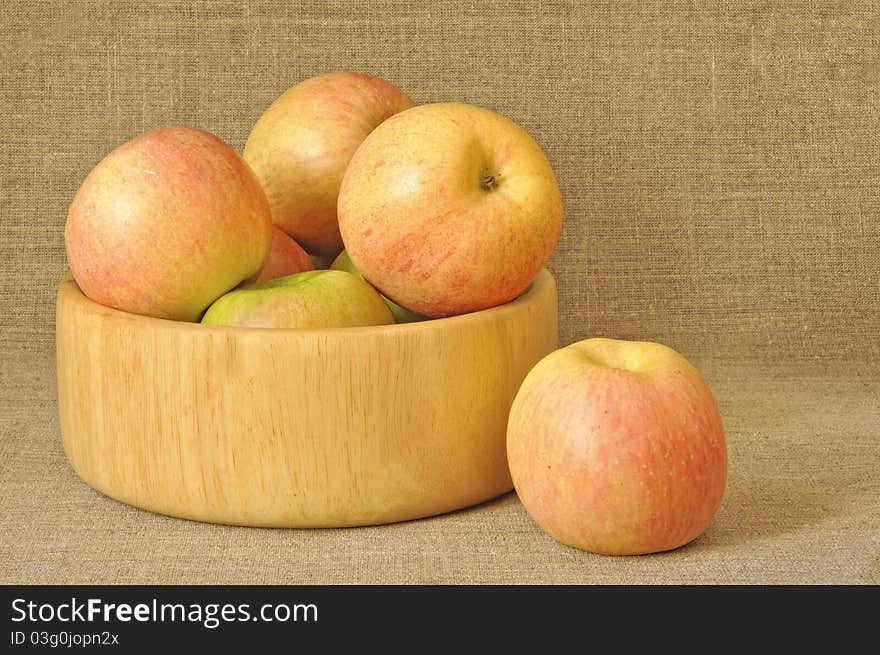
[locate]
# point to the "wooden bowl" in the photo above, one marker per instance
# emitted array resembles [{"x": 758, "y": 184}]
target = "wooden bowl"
[{"x": 295, "y": 427}]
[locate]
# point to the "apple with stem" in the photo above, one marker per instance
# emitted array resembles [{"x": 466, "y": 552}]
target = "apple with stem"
[
  {"x": 617, "y": 447},
  {"x": 449, "y": 208}
]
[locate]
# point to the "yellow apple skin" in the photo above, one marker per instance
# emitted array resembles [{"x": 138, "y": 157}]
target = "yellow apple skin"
[
  {"x": 300, "y": 147},
  {"x": 166, "y": 223},
  {"x": 401, "y": 314},
  {"x": 286, "y": 257},
  {"x": 449, "y": 208},
  {"x": 617, "y": 447},
  {"x": 313, "y": 299}
]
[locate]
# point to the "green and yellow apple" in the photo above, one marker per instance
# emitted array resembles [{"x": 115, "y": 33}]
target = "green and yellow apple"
[
  {"x": 617, "y": 447},
  {"x": 286, "y": 257},
  {"x": 313, "y": 299},
  {"x": 449, "y": 208},
  {"x": 166, "y": 223},
  {"x": 300, "y": 147},
  {"x": 401, "y": 314}
]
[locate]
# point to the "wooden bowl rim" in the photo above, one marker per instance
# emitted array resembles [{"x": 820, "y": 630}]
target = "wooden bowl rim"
[{"x": 542, "y": 280}]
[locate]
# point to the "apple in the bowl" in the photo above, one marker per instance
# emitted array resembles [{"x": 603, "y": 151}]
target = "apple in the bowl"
[
  {"x": 166, "y": 223},
  {"x": 449, "y": 208},
  {"x": 401, "y": 314},
  {"x": 286, "y": 257},
  {"x": 313, "y": 299},
  {"x": 301, "y": 145},
  {"x": 617, "y": 447}
]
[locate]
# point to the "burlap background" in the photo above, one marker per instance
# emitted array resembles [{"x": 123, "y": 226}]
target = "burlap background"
[{"x": 720, "y": 166}]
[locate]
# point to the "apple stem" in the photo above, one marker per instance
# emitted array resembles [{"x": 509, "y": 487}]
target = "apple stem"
[{"x": 488, "y": 181}]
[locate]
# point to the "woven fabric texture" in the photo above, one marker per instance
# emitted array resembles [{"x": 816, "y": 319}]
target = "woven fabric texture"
[
  {"x": 720, "y": 170},
  {"x": 800, "y": 508}
]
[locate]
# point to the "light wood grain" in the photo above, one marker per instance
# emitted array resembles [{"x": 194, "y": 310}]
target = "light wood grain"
[{"x": 305, "y": 428}]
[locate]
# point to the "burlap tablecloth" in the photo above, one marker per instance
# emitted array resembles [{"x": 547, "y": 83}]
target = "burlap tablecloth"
[{"x": 720, "y": 167}]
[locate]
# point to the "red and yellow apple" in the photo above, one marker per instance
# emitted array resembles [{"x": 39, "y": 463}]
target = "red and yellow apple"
[
  {"x": 617, "y": 447},
  {"x": 401, "y": 314},
  {"x": 286, "y": 257},
  {"x": 166, "y": 223},
  {"x": 313, "y": 299},
  {"x": 449, "y": 208},
  {"x": 300, "y": 147}
]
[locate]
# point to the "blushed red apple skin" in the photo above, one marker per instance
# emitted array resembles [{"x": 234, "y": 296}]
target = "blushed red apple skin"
[
  {"x": 449, "y": 208},
  {"x": 286, "y": 257},
  {"x": 617, "y": 447},
  {"x": 301, "y": 145},
  {"x": 166, "y": 223},
  {"x": 401, "y": 314}
]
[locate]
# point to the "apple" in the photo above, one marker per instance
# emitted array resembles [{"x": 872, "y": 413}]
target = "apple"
[
  {"x": 166, "y": 223},
  {"x": 300, "y": 147},
  {"x": 286, "y": 257},
  {"x": 449, "y": 208},
  {"x": 401, "y": 314},
  {"x": 617, "y": 447},
  {"x": 313, "y": 299}
]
